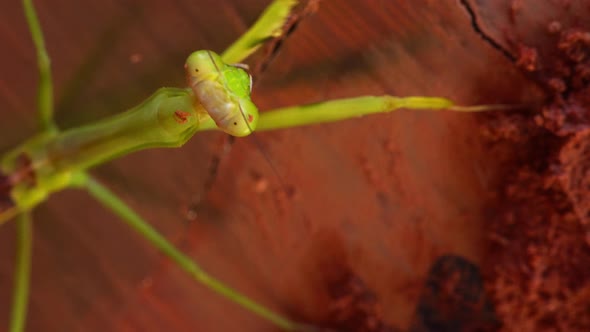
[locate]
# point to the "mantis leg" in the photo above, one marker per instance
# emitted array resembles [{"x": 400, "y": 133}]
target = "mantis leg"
[
  {"x": 348, "y": 108},
  {"x": 342, "y": 109},
  {"x": 268, "y": 25},
  {"x": 45, "y": 91},
  {"x": 115, "y": 204},
  {"x": 20, "y": 297}
]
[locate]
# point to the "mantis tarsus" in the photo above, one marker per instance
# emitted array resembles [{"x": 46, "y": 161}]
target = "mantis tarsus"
[{"x": 30, "y": 160}]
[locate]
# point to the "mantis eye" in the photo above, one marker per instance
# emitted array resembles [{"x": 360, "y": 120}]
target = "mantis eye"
[
  {"x": 241, "y": 66},
  {"x": 246, "y": 68}
]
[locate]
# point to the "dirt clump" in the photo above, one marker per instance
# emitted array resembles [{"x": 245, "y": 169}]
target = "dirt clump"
[{"x": 537, "y": 264}]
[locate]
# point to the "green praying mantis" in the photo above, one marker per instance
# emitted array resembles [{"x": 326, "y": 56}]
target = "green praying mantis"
[{"x": 217, "y": 98}]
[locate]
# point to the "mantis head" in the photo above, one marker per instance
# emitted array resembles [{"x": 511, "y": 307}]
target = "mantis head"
[{"x": 224, "y": 92}]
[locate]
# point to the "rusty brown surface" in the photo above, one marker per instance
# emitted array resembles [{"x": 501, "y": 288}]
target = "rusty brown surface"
[
  {"x": 538, "y": 275},
  {"x": 344, "y": 232}
]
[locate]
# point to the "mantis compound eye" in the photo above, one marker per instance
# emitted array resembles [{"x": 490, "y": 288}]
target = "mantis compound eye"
[
  {"x": 224, "y": 92},
  {"x": 246, "y": 68}
]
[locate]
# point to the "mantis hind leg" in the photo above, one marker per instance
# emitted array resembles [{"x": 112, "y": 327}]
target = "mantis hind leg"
[
  {"x": 131, "y": 218},
  {"x": 22, "y": 273}
]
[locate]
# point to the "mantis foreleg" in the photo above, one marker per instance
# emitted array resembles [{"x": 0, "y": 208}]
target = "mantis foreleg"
[
  {"x": 268, "y": 25},
  {"x": 45, "y": 90}
]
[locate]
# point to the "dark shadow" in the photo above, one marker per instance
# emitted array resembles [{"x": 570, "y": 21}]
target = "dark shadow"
[{"x": 453, "y": 299}]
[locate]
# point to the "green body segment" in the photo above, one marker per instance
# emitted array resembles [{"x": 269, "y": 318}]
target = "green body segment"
[{"x": 166, "y": 119}]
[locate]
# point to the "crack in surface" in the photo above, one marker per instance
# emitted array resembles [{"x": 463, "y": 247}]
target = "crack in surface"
[{"x": 475, "y": 24}]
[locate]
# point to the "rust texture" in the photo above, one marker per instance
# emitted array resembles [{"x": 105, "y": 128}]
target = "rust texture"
[
  {"x": 410, "y": 221},
  {"x": 537, "y": 271}
]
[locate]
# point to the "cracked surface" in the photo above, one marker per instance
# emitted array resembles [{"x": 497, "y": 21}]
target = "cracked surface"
[{"x": 478, "y": 29}]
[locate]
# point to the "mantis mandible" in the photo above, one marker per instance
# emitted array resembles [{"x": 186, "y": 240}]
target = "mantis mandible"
[{"x": 217, "y": 98}]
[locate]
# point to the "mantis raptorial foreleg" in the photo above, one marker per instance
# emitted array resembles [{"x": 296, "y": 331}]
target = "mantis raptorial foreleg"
[
  {"x": 268, "y": 25},
  {"x": 45, "y": 89},
  {"x": 348, "y": 108}
]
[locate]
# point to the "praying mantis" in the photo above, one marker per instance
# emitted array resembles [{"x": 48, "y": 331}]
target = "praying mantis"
[{"x": 182, "y": 101}]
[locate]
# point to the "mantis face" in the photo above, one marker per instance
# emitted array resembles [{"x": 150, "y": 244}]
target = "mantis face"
[{"x": 224, "y": 91}]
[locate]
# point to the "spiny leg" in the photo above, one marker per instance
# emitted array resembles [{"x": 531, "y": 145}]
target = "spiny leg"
[
  {"x": 131, "y": 218},
  {"x": 22, "y": 273},
  {"x": 269, "y": 25},
  {"x": 45, "y": 91}
]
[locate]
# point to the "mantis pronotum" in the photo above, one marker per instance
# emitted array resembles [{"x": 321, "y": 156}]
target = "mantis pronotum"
[{"x": 55, "y": 160}]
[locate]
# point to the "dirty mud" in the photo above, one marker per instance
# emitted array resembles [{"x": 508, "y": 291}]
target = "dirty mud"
[{"x": 536, "y": 268}]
